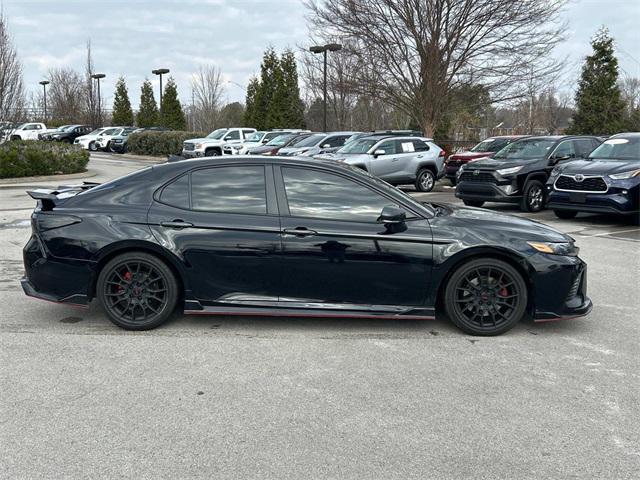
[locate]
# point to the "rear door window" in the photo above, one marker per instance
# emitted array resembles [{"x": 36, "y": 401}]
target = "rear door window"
[{"x": 236, "y": 189}]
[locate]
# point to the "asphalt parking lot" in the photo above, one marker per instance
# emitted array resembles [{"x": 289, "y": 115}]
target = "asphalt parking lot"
[{"x": 223, "y": 397}]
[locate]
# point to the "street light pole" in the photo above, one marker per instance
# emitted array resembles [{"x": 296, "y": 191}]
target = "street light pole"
[
  {"x": 160, "y": 72},
  {"x": 44, "y": 84},
  {"x": 330, "y": 47},
  {"x": 97, "y": 77}
]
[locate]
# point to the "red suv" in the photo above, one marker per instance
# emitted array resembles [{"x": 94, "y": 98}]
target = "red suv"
[{"x": 486, "y": 148}]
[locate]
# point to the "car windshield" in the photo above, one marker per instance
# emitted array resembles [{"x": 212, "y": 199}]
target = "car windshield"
[
  {"x": 97, "y": 131},
  {"x": 620, "y": 148},
  {"x": 297, "y": 139},
  {"x": 357, "y": 146},
  {"x": 256, "y": 137},
  {"x": 489, "y": 145},
  {"x": 311, "y": 140},
  {"x": 217, "y": 134},
  {"x": 279, "y": 140},
  {"x": 69, "y": 128},
  {"x": 526, "y": 149}
]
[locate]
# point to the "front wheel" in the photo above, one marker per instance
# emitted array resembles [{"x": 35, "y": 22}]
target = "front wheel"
[
  {"x": 138, "y": 291},
  {"x": 212, "y": 153},
  {"x": 93, "y": 147},
  {"x": 425, "y": 180},
  {"x": 534, "y": 197},
  {"x": 473, "y": 203},
  {"x": 485, "y": 297},
  {"x": 565, "y": 214}
]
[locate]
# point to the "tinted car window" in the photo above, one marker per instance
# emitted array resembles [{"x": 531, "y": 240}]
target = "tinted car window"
[
  {"x": 238, "y": 189},
  {"x": 583, "y": 147},
  {"x": 336, "y": 141},
  {"x": 234, "y": 135},
  {"x": 320, "y": 195},
  {"x": 565, "y": 149},
  {"x": 176, "y": 194},
  {"x": 388, "y": 146},
  {"x": 420, "y": 146}
]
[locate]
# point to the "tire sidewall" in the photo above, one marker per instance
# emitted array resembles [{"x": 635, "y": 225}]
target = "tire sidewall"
[
  {"x": 529, "y": 186},
  {"x": 170, "y": 280},
  {"x": 422, "y": 173},
  {"x": 464, "y": 269}
]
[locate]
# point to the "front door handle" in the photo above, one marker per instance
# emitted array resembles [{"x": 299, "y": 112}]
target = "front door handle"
[
  {"x": 300, "y": 232},
  {"x": 176, "y": 224}
]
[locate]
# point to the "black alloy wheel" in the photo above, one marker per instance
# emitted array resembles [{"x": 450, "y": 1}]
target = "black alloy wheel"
[
  {"x": 138, "y": 291},
  {"x": 425, "y": 181},
  {"x": 565, "y": 214},
  {"x": 486, "y": 297},
  {"x": 534, "y": 196}
]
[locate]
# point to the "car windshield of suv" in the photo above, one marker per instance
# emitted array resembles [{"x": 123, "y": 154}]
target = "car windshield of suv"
[
  {"x": 526, "y": 149},
  {"x": 357, "y": 146},
  {"x": 297, "y": 139},
  {"x": 279, "y": 140},
  {"x": 489, "y": 145},
  {"x": 97, "y": 131},
  {"x": 217, "y": 134},
  {"x": 69, "y": 128},
  {"x": 256, "y": 137},
  {"x": 620, "y": 148},
  {"x": 311, "y": 140}
]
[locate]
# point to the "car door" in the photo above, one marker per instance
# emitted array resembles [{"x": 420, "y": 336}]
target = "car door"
[
  {"x": 222, "y": 221},
  {"x": 232, "y": 137},
  {"x": 386, "y": 165},
  {"x": 335, "y": 251}
]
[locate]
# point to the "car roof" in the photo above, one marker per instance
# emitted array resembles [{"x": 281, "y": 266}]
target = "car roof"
[
  {"x": 379, "y": 138},
  {"x": 626, "y": 134}
]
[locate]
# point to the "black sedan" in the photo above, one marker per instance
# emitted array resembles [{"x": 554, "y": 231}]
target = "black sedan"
[
  {"x": 606, "y": 182},
  {"x": 299, "y": 237}
]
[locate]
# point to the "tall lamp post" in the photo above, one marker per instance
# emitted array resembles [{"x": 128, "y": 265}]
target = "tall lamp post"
[
  {"x": 330, "y": 47},
  {"x": 160, "y": 72},
  {"x": 44, "y": 84},
  {"x": 97, "y": 77}
]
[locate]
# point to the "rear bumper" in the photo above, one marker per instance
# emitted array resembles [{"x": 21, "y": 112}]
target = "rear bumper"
[{"x": 77, "y": 300}]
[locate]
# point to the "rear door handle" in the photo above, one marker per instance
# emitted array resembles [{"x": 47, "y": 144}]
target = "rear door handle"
[
  {"x": 176, "y": 224},
  {"x": 300, "y": 232}
]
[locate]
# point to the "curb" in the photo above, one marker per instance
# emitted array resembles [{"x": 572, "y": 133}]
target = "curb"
[{"x": 28, "y": 181}]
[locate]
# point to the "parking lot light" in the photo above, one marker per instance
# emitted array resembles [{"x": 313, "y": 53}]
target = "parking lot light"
[
  {"x": 330, "y": 47},
  {"x": 44, "y": 84},
  {"x": 160, "y": 72},
  {"x": 97, "y": 77}
]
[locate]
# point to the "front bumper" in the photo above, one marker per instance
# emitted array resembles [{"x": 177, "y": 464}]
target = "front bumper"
[
  {"x": 487, "y": 192},
  {"x": 613, "y": 201},
  {"x": 192, "y": 154}
]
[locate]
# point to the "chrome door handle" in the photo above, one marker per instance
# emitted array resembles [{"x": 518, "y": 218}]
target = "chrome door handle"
[
  {"x": 299, "y": 232},
  {"x": 176, "y": 224}
]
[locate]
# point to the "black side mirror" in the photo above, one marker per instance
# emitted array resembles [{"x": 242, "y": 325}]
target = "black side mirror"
[{"x": 392, "y": 215}]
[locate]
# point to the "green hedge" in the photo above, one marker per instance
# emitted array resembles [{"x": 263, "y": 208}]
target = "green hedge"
[
  {"x": 30, "y": 158},
  {"x": 159, "y": 143}
]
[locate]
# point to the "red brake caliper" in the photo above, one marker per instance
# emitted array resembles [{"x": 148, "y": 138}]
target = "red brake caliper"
[
  {"x": 127, "y": 277},
  {"x": 503, "y": 292}
]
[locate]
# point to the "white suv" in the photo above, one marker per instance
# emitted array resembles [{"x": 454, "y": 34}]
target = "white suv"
[
  {"x": 212, "y": 144},
  {"x": 28, "y": 131}
]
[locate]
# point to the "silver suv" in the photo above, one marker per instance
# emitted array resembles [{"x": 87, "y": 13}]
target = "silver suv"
[{"x": 397, "y": 160}]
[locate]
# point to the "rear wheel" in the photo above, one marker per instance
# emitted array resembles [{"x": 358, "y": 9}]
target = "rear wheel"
[
  {"x": 485, "y": 297},
  {"x": 534, "y": 197},
  {"x": 138, "y": 291},
  {"x": 473, "y": 203},
  {"x": 425, "y": 181},
  {"x": 565, "y": 214}
]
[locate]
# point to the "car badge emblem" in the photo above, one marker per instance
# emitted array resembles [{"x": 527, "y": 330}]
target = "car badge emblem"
[
  {"x": 579, "y": 177},
  {"x": 476, "y": 172}
]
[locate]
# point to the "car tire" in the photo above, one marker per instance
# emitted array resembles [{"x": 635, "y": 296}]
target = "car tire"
[
  {"x": 425, "y": 180},
  {"x": 473, "y": 203},
  {"x": 533, "y": 198},
  {"x": 212, "y": 152},
  {"x": 485, "y": 297},
  {"x": 138, "y": 291},
  {"x": 453, "y": 182},
  {"x": 565, "y": 214},
  {"x": 93, "y": 147}
]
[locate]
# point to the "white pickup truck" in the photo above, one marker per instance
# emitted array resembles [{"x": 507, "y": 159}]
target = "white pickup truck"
[
  {"x": 211, "y": 145},
  {"x": 28, "y": 131}
]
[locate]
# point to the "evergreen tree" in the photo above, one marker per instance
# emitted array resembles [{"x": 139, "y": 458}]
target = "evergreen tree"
[
  {"x": 171, "y": 114},
  {"x": 599, "y": 106},
  {"x": 148, "y": 111},
  {"x": 122, "y": 113},
  {"x": 270, "y": 76},
  {"x": 293, "y": 106},
  {"x": 250, "y": 111},
  {"x": 232, "y": 114}
]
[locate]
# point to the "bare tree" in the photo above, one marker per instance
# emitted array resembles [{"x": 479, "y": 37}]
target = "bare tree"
[
  {"x": 630, "y": 90},
  {"x": 12, "y": 97},
  {"x": 207, "y": 89},
  {"x": 420, "y": 49},
  {"x": 65, "y": 95}
]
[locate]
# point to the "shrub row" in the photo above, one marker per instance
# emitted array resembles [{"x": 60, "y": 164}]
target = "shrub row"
[
  {"x": 159, "y": 143},
  {"x": 29, "y": 158}
]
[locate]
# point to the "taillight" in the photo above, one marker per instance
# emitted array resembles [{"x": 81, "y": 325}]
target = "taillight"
[
  {"x": 45, "y": 221},
  {"x": 442, "y": 154}
]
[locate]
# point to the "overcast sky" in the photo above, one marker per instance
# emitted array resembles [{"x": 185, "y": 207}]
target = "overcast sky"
[{"x": 132, "y": 37}]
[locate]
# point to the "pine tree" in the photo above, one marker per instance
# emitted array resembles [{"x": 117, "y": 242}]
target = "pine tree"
[
  {"x": 171, "y": 114},
  {"x": 148, "y": 111},
  {"x": 122, "y": 113},
  {"x": 293, "y": 114},
  {"x": 250, "y": 112},
  {"x": 599, "y": 106}
]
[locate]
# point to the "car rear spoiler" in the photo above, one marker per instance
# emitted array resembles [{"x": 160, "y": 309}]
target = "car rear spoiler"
[{"x": 49, "y": 198}]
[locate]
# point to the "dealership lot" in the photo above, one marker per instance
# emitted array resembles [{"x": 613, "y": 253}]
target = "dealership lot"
[{"x": 308, "y": 398}]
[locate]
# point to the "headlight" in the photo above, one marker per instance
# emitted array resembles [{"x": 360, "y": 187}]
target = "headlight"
[
  {"x": 556, "y": 171},
  {"x": 509, "y": 171},
  {"x": 556, "y": 248},
  {"x": 626, "y": 175},
  {"x": 198, "y": 146}
]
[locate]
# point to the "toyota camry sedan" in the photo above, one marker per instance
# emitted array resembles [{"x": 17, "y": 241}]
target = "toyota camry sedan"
[{"x": 292, "y": 237}]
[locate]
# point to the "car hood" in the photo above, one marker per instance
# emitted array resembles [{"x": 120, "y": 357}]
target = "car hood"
[
  {"x": 293, "y": 150},
  {"x": 469, "y": 155},
  {"x": 491, "y": 164},
  {"x": 351, "y": 158},
  {"x": 202, "y": 140},
  {"x": 600, "y": 167},
  {"x": 493, "y": 227}
]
